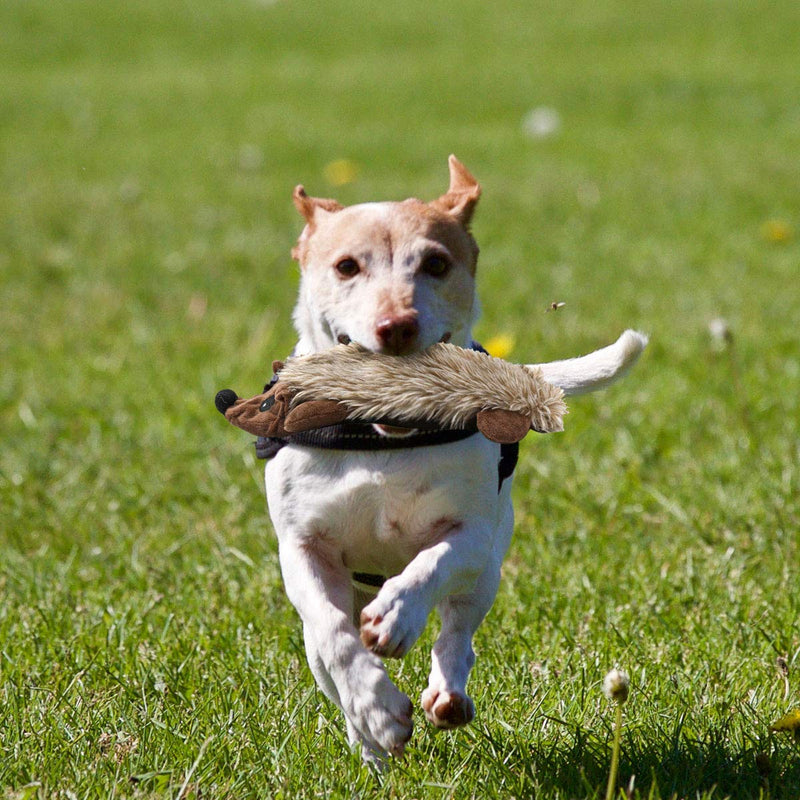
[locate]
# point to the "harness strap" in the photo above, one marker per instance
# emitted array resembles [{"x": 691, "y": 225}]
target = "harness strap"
[
  {"x": 362, "y": 436},
  {"x": 354, "y": 436},
  {"x": 367, "y": 579}
]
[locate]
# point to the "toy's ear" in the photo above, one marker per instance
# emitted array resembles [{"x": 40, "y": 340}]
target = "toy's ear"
[
  {"x": 462, "y": 196},
  {"x": 503, "y": 426},
  {"x": 315, "y": 414},
  {"x": 309, "y": 208}
]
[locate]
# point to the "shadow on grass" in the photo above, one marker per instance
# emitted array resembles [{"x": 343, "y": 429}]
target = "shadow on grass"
[{"x": 663, "y": 767}]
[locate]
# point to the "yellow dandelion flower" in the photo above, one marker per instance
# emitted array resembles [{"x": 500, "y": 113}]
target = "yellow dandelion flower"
[
  {"x": 340, "y": 172},
  {"x": 500, "y": 346},
  {"x": 788, "y": 722},
  {"x": 776, "y": 230}
]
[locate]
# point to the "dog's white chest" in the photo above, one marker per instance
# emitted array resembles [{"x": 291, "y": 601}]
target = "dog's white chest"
[{"x": 377, "y": 510}]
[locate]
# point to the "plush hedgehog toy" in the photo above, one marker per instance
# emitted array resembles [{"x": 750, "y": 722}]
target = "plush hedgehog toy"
[{"x": 442, "y": 388}]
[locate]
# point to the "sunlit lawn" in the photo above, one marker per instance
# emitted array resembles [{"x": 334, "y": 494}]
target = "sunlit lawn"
[{"x": 149, "y": 151}]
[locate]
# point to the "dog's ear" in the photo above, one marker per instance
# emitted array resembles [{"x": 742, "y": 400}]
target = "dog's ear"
[
  {"x": 308, "y": 208},
  {"x": 462, "y": 196}
]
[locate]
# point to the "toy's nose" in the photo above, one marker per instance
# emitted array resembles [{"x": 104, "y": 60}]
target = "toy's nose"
[
  {"x": 224, "y": 400},
  {"x": 397, "y": 334}
]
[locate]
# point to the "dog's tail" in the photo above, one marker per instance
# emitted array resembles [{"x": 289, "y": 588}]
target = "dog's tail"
[{"x": 595, "y": 370}]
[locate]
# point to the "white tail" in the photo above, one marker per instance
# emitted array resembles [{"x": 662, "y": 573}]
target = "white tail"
[{"x": 595, "y": 370}]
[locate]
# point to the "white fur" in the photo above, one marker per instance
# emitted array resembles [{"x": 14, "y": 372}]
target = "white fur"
[
  {"x": 430, "y": 519},
  {"x": 598, "y": 369}
]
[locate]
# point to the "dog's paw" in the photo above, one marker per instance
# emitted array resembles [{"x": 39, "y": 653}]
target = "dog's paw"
[
  {"x": 379, "y": 713},
  {"x": 447, "y": 709},
  {"x": 391, "y": 624}
]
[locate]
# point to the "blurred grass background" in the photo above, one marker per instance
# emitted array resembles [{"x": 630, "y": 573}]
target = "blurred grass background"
[{"x": 149, "y": 150}]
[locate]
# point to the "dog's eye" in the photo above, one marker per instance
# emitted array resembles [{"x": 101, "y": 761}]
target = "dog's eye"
[
  {"x": 347, "y": 268},
  {"x": 435, "y": 265}
]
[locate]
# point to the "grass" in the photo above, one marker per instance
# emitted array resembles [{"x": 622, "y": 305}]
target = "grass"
[{"x": 149, "y": 150}]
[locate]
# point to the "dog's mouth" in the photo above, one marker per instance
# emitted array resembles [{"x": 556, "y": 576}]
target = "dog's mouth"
[
  {"x": 343, "y": 338},
  {"x": 393, "y": 431}
]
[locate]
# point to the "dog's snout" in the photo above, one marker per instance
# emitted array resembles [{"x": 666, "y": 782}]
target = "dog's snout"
[{"x": 397, "y": 334}]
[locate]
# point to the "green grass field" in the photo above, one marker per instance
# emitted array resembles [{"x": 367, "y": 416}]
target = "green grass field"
[{"x": 149, "y": 150}]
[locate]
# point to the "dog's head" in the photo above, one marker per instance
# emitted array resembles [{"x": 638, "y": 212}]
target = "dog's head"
[{"x": 394, "y": 277}]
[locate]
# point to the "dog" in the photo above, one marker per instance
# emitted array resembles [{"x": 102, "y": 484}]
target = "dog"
[{"x": 372, "y": 540}]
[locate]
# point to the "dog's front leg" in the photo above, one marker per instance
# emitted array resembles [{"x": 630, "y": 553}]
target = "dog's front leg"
[
  {"x": 378, "y": 714},
  {"x": 445, "y": 701},
  {"x": 393, "y": 621}
]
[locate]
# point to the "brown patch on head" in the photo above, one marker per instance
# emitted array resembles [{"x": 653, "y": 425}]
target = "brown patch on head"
[
  {"x": 444, "y": 220},
  {"x": 456, "y": 238},
  {"x": 378, "y": 230}
]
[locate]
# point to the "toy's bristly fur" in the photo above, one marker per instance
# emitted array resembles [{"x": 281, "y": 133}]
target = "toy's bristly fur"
[{"x": 444, "y": 385}]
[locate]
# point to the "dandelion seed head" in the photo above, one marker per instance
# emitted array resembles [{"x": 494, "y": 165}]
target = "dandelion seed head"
[
  {"x": 542, "y": 122},
  {"x": 616, "y": 685},
  {"x": 720, "y": 331},
  {"x": 251, "y": 158}
]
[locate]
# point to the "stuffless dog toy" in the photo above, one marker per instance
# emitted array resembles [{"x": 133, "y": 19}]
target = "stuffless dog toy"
[{"x": 443, "y": 387}]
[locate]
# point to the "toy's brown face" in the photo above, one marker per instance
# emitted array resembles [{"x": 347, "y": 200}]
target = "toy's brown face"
[
  {"x": 262, "y": 415},
  {"x": 270, "y": 414}
]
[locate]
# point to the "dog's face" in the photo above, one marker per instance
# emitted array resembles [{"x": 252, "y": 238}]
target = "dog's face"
[{"x": 394, "y": 277}]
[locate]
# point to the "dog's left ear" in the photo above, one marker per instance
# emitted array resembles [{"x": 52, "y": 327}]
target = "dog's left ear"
[
  {"x": 462, "y": 196},
  {"x": 308, "y": 206}
]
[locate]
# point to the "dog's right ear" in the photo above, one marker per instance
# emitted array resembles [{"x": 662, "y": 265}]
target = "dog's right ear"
[
  {"x": 308, "y": 208},
  {"x": 461, "y": 198}
]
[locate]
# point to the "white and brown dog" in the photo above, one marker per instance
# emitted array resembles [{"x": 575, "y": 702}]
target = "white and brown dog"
[{"x": 397, "y": 277}]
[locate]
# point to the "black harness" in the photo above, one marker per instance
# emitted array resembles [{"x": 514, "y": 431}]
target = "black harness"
[
  {"x": 357, "y": 436},
  {"x": 362, "y": 436}
]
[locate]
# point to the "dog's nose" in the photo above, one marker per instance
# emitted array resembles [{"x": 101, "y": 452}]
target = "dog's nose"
[{"x": 397, "y": 334}]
